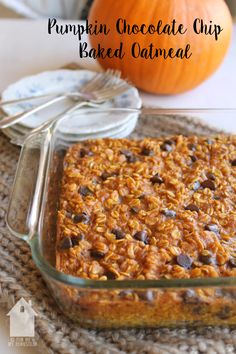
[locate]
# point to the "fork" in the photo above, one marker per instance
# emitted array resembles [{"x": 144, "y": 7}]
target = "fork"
[
  {"x": 97, "y": 78},
  {"x": 97, "y": 90},
  {"x": 108, "y": 91}
]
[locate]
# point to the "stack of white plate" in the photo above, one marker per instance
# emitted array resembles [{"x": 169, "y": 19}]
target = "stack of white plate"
[{"x": 87, "y": 127}]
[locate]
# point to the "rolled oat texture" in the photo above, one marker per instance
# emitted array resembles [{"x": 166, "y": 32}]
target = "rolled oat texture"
[{"x": 147, "y": 210}]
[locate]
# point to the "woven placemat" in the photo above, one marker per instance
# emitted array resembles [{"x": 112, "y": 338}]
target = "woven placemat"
[{"x": 54, "y": 332}]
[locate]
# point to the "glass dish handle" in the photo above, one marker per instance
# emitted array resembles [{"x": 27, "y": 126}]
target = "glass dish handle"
[{"x": 25, "y": 201}]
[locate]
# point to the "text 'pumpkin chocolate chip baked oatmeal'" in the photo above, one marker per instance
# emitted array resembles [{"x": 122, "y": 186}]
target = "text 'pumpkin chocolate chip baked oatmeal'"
[{"x": 148, "y": 210}]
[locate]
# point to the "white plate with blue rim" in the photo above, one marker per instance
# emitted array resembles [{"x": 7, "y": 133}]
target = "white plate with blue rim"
[
  {"x": 121, "y": 131},
  {"x": 60, "y": 81}
]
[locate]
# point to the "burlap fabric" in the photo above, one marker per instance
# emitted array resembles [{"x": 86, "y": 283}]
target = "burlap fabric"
[{"x": 54, "y": 333}]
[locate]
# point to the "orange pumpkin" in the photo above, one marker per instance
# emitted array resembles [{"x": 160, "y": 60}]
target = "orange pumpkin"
[{"x": 159, "y": 75}]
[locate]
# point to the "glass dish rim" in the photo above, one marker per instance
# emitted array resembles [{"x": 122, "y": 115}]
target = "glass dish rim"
[
  {"x": 77, "y": 282},
  {"x": 82, "y": 283}
]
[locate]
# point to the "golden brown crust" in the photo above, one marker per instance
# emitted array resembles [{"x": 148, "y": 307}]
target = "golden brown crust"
[{"x": 150, "y": 209}]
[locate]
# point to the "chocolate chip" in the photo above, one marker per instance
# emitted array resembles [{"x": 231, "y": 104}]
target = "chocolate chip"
[
  {"x": 85, "y": 191},
  {"x": 96, "y": 254},
  {"x": 216, "y": 197},
  {"x": 169, "y": 213},
  {"x": 142, "y": 236},
  {"x": 110, "y": 275},
  {"x": 190, "y": 297},
  {"x": 65, "y": 243},
  {"x": 105, "y": 176},
  {"x": 132, "y": 159},
  {"x": 206, "y": 258},
  {"x": 83, "y": 217},
  {"x": 199, "y": 309},
  {"x": 147, "y": 152},
  {"x": 166, "y": 147},
  {"x": 76, "y": 239},
  {"x": 192, "y": 147},
  {"x": 212, "y": 227},
  {"x": 85, "y": 152},
  {"x": 224, "y": 313},
  {"x": 208, "y": 184},
  {"x": 118, "y": 233},
  {"x": 146, "y": 295},
  {"x": 232, "y": 262},
  {"x": 142, "y": 196},
  {"x": 127, "y": 153},
  {"x": 184, "y": 261},
  {"x": 196, "y": 185},
  {"x": 82, "y": 153},
  {"x": 211, "y": 176},
  {"x": 156, "y": 179},
  {"x": 192, "y": 207},
  {"x": 193, "y": 158},
  {"x": 134, "y": 210},
  {"x": 233, "y": 163}
]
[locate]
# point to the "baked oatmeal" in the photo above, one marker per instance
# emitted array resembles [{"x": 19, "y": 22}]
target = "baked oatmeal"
[{"x": 150, "y": 209}]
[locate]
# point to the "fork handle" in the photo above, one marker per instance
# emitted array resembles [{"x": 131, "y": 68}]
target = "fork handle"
[
  {"x": 25, "y": 99},
  {"x": 68, "y": 111},
  {"x": 11, "y": 120},
  {"x": 20, "y": 141},
  {"x": 48, "y": 95}
]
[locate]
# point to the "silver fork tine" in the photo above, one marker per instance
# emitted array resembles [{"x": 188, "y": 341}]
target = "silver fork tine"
[
  {"x": 112, "y": 84},
  {"x": 106, "y": 85},
  {"x": 100, "y": 81},
  {"x": 111, "y": 89},
  {"x": 95, "y": 83},
  {"x": 112, "y": 80},
  {"x": 115, "y": 92},
  {"x": 92, "y": 83},
  {"x": 117, "y": 73},
  {"x": 110, "y": 75}
]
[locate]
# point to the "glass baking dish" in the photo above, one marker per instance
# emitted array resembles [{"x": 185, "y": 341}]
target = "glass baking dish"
[{"x": 32, "y": 216}]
